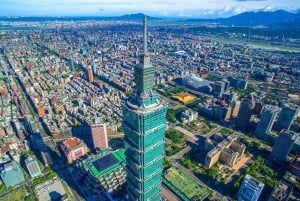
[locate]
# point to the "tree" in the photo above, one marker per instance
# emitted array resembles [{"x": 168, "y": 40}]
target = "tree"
[{"x": 213, "y": 173}]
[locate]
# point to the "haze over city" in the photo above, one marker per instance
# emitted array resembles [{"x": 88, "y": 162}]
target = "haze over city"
[{"x": 167, "y": 8}]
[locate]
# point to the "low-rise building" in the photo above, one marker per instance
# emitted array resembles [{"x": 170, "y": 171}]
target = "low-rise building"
[
  {"x": 228, "y": 150},
  {"x": 188, "y": 116},
  {"x": 73, "y": 148},
  {"x": 11, "y": 174},
  {"x": 33, "y": 167},
  {"x": 281, "y": 191}
]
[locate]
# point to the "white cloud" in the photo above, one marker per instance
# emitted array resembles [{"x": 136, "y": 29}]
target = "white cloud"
[{"x": 194, "y": 8}]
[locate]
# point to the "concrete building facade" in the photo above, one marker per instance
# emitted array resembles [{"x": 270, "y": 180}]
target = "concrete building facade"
[
  {"x": 245, "y": 112},
  {"x": 283, "y": 145},
  {"x": 99, "y": 136},
  {"x": 228, "y": 150},
  {"x": 73, "y": 148},
  {"x": 266, "y": 122}
]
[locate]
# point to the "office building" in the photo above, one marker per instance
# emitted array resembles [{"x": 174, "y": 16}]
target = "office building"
[
  {"x": 72, "y": 65},
  {"x": 33, "y": 167},
  {"x": 219, "y": 88},
  {"x": 250, "y": 189},
  {"x": 73, "y": 149},
  {"x": 283, "y": 145},
  {"x": 89, "y": 74},
  {"x": 11, "y": 174},
  {"x": 99, "y": 136},
  {"x": 237, "y": 82},
  {"x": 94, "y": 136},
  {"x": 266, "y": 122},
  {"x": 286, "y": 118},
  {"x": 144, "y": 122},
  {"x": 245, "y": 112}
]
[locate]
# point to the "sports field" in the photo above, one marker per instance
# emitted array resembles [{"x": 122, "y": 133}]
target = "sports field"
[{"x": 185, "y": 184}]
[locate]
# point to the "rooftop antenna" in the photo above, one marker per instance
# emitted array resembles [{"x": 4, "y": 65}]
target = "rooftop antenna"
[{"x": 145, "y": 35}]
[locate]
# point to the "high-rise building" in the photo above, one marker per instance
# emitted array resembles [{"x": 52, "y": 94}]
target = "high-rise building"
[
  {"x": 33, "y": 167},
  {"x": 144, "y": 122},
  {"x": 219, "y": 88},
  {"x": 283, "y": 145},
  {"x": 89, "y": 74},
  {"x": 250, "y": 189},
  {"x": 236, "y": 108},
  {"x": 286, "y": 118},
  {"x": 267, "y": 120},
  {"x": 245, "y": 112},
  {"x": 99, "y": 136},
  {"x": 72, "y": 65}
]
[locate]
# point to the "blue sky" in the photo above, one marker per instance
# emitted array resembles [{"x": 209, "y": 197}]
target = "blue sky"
[{"x": 167, "y": 8}]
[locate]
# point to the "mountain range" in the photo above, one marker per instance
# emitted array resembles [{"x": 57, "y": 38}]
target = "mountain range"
[{"x": 279, "y": 18}]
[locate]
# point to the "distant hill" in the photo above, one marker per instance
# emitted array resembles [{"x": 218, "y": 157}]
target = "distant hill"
[
  {"x": 275, "y": 18},
  {"x": 130, "y": 17},
  {"x": 136, "y": 17}
]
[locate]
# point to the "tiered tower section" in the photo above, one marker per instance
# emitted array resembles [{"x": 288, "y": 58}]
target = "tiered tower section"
[{"x": 144, "y": 122}]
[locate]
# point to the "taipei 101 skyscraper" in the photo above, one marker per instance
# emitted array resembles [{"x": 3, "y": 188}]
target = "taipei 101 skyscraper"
[{"x": 144, "y": 122}]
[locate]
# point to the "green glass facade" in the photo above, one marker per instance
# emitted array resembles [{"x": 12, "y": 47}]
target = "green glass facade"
[{"x": 144, "y": 125}]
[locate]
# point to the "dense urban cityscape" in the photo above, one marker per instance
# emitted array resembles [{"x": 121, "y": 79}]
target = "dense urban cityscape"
[{"x": 108, "y": 108}]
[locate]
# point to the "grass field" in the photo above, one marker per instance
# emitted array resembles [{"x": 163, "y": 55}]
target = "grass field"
[
  {"x": 15, "y": 195},
  {"x": 185, "y": 184}
]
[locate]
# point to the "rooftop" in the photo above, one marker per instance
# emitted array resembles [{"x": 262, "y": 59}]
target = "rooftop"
[
  {"x": 105, "y": 162},
  {"x": 281, "y": 191},
  {"x": 72, "y": 142},
  {"x": 250, "y": 189}
]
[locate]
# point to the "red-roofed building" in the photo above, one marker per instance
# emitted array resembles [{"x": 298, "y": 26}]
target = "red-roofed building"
[{"x": 73, "y": 148}]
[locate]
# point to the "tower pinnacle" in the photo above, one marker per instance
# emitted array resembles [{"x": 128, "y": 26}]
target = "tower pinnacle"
[
  {"x": 144, "y": 123},
  {"x": 145, "y": 35}
]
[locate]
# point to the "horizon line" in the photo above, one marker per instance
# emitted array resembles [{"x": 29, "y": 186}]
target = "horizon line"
[{"x": 140, "y": 13}]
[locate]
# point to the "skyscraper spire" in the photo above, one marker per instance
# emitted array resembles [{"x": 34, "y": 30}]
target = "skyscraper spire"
[
  {"x": 145, "y": 35},
  {"x": 144, "y": 123}
]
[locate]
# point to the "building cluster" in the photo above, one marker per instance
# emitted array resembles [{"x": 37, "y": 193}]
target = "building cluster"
[
  {"x": 112, "y": 53},
  {"x": 11, "y": 171},
  {"x": 62, "y": 98},
  {"x": 250, "y": 114}
]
